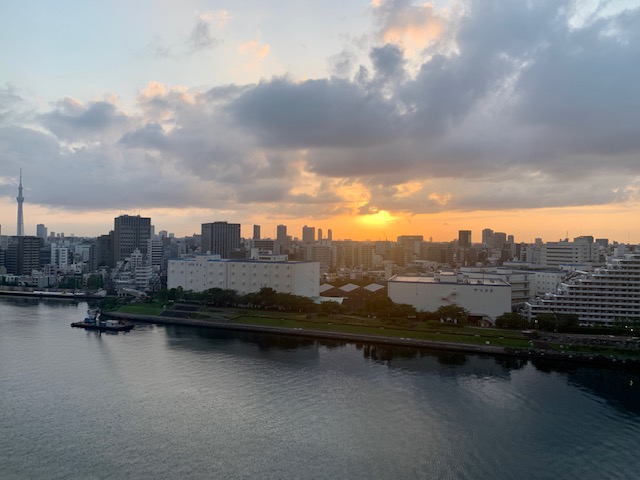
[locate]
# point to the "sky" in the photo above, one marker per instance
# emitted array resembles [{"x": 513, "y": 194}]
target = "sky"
[{"x": 371, "y": 118}]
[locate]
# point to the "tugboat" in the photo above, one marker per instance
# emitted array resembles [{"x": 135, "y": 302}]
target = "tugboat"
[{"x": 92, "y": 322}]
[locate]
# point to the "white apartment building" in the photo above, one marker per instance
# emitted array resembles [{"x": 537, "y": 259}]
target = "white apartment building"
[
  {"x": 545, "y": 281},
  {"x": 488, "y": 297},
  {"x": 202, "y": 272},
  {"x": 606, "y": 295},
  {"x": 581, "y": 251}
]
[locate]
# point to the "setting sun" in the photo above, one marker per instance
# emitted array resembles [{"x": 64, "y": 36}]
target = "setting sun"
[{"x": 378, "y": 219}]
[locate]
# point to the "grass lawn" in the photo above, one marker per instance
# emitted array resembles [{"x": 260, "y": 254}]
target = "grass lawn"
[
  {"x": 388, "y": 331},
  {"x": 142, "y": 308},
  {"x": 598, "y": 350}
]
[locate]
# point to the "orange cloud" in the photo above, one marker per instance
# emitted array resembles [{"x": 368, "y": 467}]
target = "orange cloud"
[
  {"x": 254, "y": 48},
  {"x": 414, "y": 27}
]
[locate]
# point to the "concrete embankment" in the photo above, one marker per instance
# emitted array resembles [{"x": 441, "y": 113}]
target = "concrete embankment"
[
  {"x": 79, "y": 296},
  {"x": 225, "y": 324}
]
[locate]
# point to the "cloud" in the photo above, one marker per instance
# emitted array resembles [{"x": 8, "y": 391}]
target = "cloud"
[
  {"x": 10, "y": 101},
  {"x": 314, "y": 113},
  {"x": 415, "y": 27},
  {"x": 201, "y": 37},
  {"x": 509, "y": 104},
  {"x": 254, "y": 53},
  {"x": 72, "y": 120}
]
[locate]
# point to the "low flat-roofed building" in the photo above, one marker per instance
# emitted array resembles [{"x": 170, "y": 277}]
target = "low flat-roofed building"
[
  {"x": 203, "y": 272},
  {"x": 488, "y": 298}
]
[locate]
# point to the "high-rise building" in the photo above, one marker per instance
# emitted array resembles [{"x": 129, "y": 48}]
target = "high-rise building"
[
  {"x": 23, "y": 255},
  {"x": 281, "y": 239},
  {"x": 130, "y": 233},
  {"x": 102, "y": 252},
  {"x": 220, "y": 238},
  {"x": 308, "y": 234},
  {"x": 487, "y": 237},
  {"x": 155, "y": 253},
  {"x": 41, "y": 231},
  {"x": 319, "y": 234},
  {"x": 499, "y": 239},
  {"x": 256, "y": 232},
  {"x": 554, "y": 254},
  {"x": 281, "y": 234},
  {"x": 20, "y": 199},
  {"x": 464, "y": 238},
  {"x": 329, "y": 235}
]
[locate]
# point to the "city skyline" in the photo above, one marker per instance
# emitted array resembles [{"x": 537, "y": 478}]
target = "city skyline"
[
  {"x": 374, "y": 119},
  {"x": 250, "y": 230}
]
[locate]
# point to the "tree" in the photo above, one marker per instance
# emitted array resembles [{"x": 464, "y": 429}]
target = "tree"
[
  {"x": 95, "y": 282},
  {"x": 452, "y": 314},
  {"x": 381, "y": 306},
  {"x": 555, "y": 321},
  {"x": 328, "y": 307},
  {"x": 511, "y": 320}
]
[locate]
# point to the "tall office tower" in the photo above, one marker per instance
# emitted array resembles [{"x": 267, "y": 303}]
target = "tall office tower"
[
  {"x": 155, "y": 253},
  {"x": 464, "y": 238},
  {"x": 41, "y": 231},
  {"x": 319, "y": 234},
  {"x": 499, "y": 239},
  {"x": 130, "y": 233},
  {"x": 256, "y": 232},
  {"x": 102, "y": 253},
  {"x": 410, "y": 245},
  {"x": 281, "y": 239},
  {"x": 20, "y": 199},
  {"x": 220, "y": 238},
  {"x": 308, "y": 234},
  {"x": 23, "y": 255},
  {"x": 281, "y": 234},
  {"x": 487, "y": 237},
  {"x": 329, "y": 235}
]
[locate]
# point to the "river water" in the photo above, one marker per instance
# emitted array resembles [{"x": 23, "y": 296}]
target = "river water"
[{"x": 180, "y": 402}]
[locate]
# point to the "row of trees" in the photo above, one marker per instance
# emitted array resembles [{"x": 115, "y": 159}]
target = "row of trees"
[
  {"x": 269, "y": 299},
  {"x": 266, "y": 298}
]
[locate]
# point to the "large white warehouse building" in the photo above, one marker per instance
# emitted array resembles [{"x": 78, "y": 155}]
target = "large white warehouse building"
[
  {"x": 202, "y": 272},
  {"x": 488, "y": 298}
]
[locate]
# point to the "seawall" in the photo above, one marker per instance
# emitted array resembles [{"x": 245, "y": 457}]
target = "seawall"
[{"x": 224, "y": 324}]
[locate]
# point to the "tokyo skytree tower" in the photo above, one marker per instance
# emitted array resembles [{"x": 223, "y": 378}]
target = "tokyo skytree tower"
[{"x": 20, "y": 200}]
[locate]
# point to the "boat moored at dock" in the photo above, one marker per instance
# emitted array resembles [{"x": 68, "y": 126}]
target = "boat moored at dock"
[{"x": 93, "y": 322}]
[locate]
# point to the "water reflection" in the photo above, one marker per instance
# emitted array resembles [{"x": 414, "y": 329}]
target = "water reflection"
[{"x": 617, "y": 387}]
